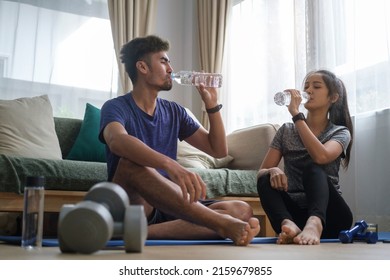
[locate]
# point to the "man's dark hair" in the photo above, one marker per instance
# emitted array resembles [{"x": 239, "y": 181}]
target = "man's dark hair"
[{"x": 140, "y": 49}]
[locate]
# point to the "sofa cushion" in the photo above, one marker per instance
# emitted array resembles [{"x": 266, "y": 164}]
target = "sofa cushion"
[
  {"x": 228, "y": 182},
  {"x": 67, "y": 130},
  {"x": 190, "y": 157},
  {"x": 27, "y": 128},
  {"x": 87, "y": 146},
  {"x": 248, "y": 146},
  {"x": 59, "y": 174}
]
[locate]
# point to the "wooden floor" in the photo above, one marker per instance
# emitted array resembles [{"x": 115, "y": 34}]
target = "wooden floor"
[{"x": 324, "y": 251}]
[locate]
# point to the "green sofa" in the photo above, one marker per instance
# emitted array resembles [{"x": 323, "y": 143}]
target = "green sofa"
[
  {"x": 60, "y": 174},
  {"x": 236, "y": 179}
]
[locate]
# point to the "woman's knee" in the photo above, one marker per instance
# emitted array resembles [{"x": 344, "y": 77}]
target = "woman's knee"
[
  {"x": 313, "y": 169},
  {"x": 263, "y": 183},
  {"x": 314, "y": 175}
]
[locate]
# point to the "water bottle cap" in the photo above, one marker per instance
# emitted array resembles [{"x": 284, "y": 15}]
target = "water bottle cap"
[{"x": 35, "y": 181}]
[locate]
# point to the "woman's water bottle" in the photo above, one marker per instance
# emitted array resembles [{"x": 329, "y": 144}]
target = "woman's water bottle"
[
  {"x": 191, "y": 78},
  {"x": 284, "y": 97},
  {"x": 32, "y": 224}
]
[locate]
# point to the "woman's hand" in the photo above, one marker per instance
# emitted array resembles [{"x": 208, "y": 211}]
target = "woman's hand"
[
  {"x": 296, "y": 100},
  {"x": 278, "y": 179}
]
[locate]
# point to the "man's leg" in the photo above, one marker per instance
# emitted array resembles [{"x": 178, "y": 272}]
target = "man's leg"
[
  {"x": 181, "y": 229},
  {"x": 146, "y": 186}
]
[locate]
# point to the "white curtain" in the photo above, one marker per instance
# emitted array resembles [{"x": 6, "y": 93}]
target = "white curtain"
[
  {"x": 62, "y": 48},
  {"x": 265, "y": 53},
  {"x": 212, "y": 21},
  {"x": 130, "y": 19},
  {"x": 285, "y": 39}
]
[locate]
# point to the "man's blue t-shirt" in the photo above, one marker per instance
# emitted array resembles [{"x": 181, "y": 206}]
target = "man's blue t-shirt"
[{"x": 160, "y": 131}]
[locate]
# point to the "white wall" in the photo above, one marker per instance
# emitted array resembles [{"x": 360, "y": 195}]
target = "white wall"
[
  {"x": 176, "y": 22},
  {"x": 366, "y": 185}
]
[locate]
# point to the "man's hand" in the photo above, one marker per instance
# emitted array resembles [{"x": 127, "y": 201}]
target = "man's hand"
[
  {"x": 209, "y": 95},
  {"x": 190, "y": 183},
  {"x": 278, "y": 179}
]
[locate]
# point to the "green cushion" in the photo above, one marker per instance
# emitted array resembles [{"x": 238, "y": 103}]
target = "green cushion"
[{"x": 87, "y": 146}]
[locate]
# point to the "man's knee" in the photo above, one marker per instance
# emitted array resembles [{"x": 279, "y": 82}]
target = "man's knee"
[
  {"x": 125, "y": 165},
  {"x": 129, "y": 169}
]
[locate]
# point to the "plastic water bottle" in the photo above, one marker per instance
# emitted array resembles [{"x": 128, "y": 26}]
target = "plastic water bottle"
[
  {"x": 284, "y": 97},
  {"x": 191, "y": 78},
  {"x": 32, "y": 224}
]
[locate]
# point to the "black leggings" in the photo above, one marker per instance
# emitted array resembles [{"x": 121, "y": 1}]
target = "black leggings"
[{"x": 323, "y": 201}]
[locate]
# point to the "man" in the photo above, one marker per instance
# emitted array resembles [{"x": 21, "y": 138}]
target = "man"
[{"x": 141, "y": 132}]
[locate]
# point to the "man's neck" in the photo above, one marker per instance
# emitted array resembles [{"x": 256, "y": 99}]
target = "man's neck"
[{"x": 145, "y": 99}]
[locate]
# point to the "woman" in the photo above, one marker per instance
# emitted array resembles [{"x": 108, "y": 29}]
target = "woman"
[{"x": 304, "y": 202}]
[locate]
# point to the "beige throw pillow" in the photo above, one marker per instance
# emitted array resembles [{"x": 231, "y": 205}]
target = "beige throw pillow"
[
  {"x": 249, "y": 145},
  {"x": 27, "y": 128},
  {"x": 191, "y": 157}
]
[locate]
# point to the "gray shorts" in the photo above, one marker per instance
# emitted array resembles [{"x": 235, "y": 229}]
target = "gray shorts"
[{"x": 160, "y": 217}]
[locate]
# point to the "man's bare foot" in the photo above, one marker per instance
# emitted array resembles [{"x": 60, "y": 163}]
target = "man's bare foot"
[
  {"x": 289, "y": 231},
  {"x": 240, "y": 232},
  {"x": 311, "y": 233}
]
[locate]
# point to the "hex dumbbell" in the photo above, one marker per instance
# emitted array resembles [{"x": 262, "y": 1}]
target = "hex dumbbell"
[
  {"x": 359, "y": 232},
  {"x": 346, "y": 236},
  {"x": 104, "y": 213}
]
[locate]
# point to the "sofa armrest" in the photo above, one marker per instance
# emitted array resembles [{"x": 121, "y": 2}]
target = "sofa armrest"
[{"x": 248, "y": 146}]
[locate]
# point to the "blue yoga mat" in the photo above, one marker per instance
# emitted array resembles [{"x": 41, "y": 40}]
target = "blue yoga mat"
[
  {"x": 382, "y": 236},
  {"x": 48, "y": 242}
]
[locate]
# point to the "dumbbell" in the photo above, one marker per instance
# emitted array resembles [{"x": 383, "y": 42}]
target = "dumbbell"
[
  {"x": 370, "y": 237},
  {"x": 358, "y": 233},
  {"x": 346, "y": 236},
  {"x": 104, "y": 213}
]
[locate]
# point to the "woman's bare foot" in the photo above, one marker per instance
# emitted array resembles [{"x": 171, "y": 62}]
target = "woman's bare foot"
[
  {"x": 289, "y": 231},
  {"x": 311, "y": 233},
  {"x": 240, "y": 232}
]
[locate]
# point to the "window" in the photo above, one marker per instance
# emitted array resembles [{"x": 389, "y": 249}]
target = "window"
[
  {"x": 272, "y": 44},
  {"x": 61, "y": 48}
]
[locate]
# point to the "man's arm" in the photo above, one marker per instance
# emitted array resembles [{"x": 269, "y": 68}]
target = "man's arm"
[
  {"x": 131, "y": 148},
  {"x": 212, "y": 142}
]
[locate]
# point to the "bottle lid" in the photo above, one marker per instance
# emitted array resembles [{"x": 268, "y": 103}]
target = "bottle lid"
[{"x": 35, "y": 181}]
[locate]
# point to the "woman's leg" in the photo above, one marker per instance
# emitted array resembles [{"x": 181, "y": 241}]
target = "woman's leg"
[
  {"x": 338, "y": 215},
  {"x": 325, "y": 202},
  {"x": 278, "y": 205},
  {"x": 315, "y": 183}
]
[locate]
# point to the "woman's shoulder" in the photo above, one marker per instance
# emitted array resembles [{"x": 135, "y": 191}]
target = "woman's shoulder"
[
  {"x": 287, "y": 127},
  {"x": 333, "y": 128},
  {"x": 337, "y": 132}
]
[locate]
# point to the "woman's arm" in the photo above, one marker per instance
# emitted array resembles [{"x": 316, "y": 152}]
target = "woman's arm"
[
  {"x": 269, "y": 165},
  {"x": 320, "y": 153}
]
